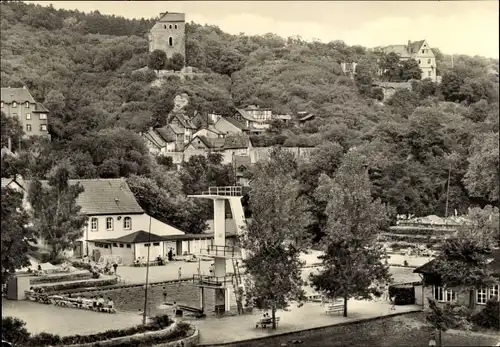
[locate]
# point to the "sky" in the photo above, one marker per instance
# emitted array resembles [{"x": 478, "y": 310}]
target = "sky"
[{"x": 455, "y": 27}]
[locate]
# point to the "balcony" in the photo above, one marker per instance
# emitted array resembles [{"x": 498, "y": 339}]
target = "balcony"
[
  {"x": 213, "y": 281},
  {"x": 224, "y": 191},
  {"x": 215, "y": 251}
]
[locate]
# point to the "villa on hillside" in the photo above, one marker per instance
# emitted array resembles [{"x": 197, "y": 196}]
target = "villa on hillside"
[
  {"x": 32, "y": 115},
  {"x": 418, "y": 50},
  {"x": 254, "y": 118}
]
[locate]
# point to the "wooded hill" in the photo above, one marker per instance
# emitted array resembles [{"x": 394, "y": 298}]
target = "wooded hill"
[{"x": 81, "y": 66}]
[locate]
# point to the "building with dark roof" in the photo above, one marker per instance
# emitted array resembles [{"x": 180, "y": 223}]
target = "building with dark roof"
[
  {"x": 418, "y": 50},
  {"x": 19, "y": 103},
  {"x": 168, "y": 34},
  {"x": 476, "y": 299}
]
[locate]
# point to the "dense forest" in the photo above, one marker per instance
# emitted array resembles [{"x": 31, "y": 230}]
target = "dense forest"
[{"x": 85, "y": 69}]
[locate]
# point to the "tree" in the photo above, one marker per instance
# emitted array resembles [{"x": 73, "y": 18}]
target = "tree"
[
  {"x": 175, "y": 63},
  {"x": 483, "y": 174},
  {"x": 157, "y": 60},
  {"x": 276, "y": 236},
  {"x": 16, "y": 233},
  {"x": 450, "y": 86},
  {"x": 11, "y": 132},
  {"x": 57, "y": 217},
  {"x": 352, "y": 259},
  {"x": 410, "y": 69},
  {"x": 449, "y": 316},
  {"x": 390, "y": 66}
]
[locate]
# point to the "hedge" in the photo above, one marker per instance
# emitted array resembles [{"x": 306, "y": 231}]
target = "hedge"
[
  {"x": 489, "y": 316},
  {"x": 46, "y": 339},
  {"x": 82, "y": 265},
  {"x": 79, "y": 284},
  {"x": 59, "y": 278},
  {"x": 403, "y": 295}
]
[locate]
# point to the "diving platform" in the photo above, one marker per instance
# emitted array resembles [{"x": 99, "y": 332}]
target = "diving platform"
[
  {"x": 216, "y": 282},
  {"x": 216, "y": 251},
  {"x": 220, "y": 192}
]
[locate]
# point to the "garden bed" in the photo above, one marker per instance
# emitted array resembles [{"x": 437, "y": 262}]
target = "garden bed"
[
  {"x": 91, "y": 282},
  {"x": 161, "y": 331},
  {"x": 80, "y": 275}
]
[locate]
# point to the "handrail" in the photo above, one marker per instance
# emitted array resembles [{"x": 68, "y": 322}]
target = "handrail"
[
  {"x": 225, "y": 191},
  {"x": 213, "y": 280},
  {"x": 216, "y": 250}
]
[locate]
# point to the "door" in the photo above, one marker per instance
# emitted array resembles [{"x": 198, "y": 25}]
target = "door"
[
  {"x": 78, "y": 249},
  {"x": 178, "y": 248}
]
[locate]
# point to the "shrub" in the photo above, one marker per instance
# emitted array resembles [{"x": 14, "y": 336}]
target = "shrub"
[
  {"x": 40, "y": 255},
  {"x": 14, "y": 331},
  {"x": 81, "y": 265},
  {"x": 488, "y": 317},
  {"x": 44, "y": 339},
  {"x": 81, "y": 284},
  {"x": 403, "y": 295}
]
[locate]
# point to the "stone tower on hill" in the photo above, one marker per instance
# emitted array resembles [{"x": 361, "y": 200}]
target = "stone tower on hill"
[{"x": 168, "y": 34}]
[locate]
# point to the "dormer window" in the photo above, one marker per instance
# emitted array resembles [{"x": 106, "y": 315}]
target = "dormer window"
[
  {"x": 14, "y": 104},
  {"x": 27, "y": 104}
]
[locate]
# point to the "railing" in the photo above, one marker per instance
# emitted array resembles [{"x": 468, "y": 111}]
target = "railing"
[
  {"x": 221, "y": 251},
  {"x": 220, "y": 281},
  {"x": 225, "y": 191}
]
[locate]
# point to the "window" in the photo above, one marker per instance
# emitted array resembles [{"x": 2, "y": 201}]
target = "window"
[
  {"x": 115, "y": 245},
  {"x": 1, "y": 104},
  {"x": 419, "y": 61},
  {"x": 127, "y": 223},
  {"x": 28, "y": 127},
  {"x": 443, "y": 295},
  {"x": 121, "y": 245},
  {"x": 147, "y": 244},
  {"x": 14, "y": 104},
  {"x": 109, "y": 223},
  {"x": 170, "y": 41},
  {"x": 494, "y": 291},
  {"x": 429, "y": 73},
  {"x": 129, "y": 246},
  {"x": 28, "y": 116},
  {"x": 43, "y": 116},
  {"x": 93, "y": 224},
  {"x": 428, "y": 61},
  {"x": 481, "y": 296},
  {"x": 175, "y": 26},
  {"x": 164, "y": 27},
  {"x": 156, "y": 244},
  {"x": 170, "y": 26},
  {"x": 43, "y": 127},
  {"x": 106, "y": 246},
  {"x": 27, "y": 104}
]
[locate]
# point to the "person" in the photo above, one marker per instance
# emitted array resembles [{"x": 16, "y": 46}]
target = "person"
[
  {"x": 100, "y": 302},
  {"x": 176, "y": 308},
  {"x": 40, "y": 268},
  {"x": 115, "y": 266},
  {"x": 393, "y": 303},
  {"x": 170, "y": 254},
  {"x": 179, "y": 273},
  {"x": 94, "y": 302},
  {"x": 212, "y": 267},
  {"x": 432, "y": 341},
  {"x": 111, "y": 304}
]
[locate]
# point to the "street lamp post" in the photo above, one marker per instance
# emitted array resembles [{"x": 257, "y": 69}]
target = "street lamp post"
[{"x": 144, "y": 314}]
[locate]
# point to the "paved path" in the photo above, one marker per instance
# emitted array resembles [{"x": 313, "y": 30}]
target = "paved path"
[
  {"x": 66, "y": 321},
  {"x": 311, "y": 315}
]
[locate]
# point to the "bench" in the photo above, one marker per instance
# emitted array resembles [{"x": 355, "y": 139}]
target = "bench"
[
  {"x": 197, "y": 312},
  {"x": 338, "y": 307},
  {"x": 264, "y": 322}
]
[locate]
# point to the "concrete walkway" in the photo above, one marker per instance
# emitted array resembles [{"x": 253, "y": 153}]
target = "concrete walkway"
[{"x": 311, "y": 315}]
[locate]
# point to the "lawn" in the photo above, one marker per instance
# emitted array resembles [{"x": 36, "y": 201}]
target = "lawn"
[{"x": 396, "y": 331}]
